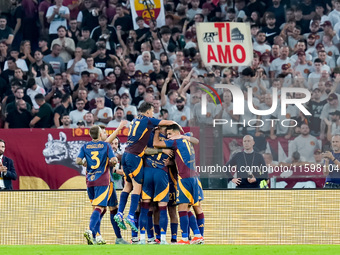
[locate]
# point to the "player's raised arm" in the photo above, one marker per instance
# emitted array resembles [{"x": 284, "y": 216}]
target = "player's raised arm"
[
  {"x": 157, "y": 142},
  {"x": 191, "y": 139},
  {"x": 115, "y": 133}
]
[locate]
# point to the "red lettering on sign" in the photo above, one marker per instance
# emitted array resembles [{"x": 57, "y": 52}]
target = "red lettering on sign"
[
  {"x": 211, "y": 54},
  {"x": 220, "y": 27},
  {"x": 228, "y": 32},
  {"x": 243, "y": 53},
  {"x": 224, "y": 56}
]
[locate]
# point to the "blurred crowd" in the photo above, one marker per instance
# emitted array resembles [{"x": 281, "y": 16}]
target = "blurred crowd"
[{"x": 76, "y": 63}]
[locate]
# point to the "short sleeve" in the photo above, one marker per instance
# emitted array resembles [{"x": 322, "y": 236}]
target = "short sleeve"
[
  {"x": 154, "y": 121},
  {"x": 81, "y": 153},
  {"x": 170, "y": 144}
]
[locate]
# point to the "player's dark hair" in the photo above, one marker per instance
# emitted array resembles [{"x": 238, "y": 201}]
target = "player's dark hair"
[
  {"x": 173, "y": 127},
  {"x": 95, "y": 132},
  {"x": 145, "y": 106},
  {"x": 65, "y": 97}
]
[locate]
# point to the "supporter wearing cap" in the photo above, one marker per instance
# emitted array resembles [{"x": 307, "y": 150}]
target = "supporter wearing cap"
[
  {"x": 188, "y": 37},
  {"x": 260, "y": 43},
  {"x": 146, "y": 79},
  {"x": 56, "y": 99},
  {"x": 333, "y": 125},
  {"x": 301, "y": 64},
  {"x": 300, "y": 45},
  {"x": 131, "y": 71},
  {"x": 311, "y": 39},
  {"x": 265, "y": 61},
  {"x": 118, "y": 117},
  {"x": 166, "y": 35}
]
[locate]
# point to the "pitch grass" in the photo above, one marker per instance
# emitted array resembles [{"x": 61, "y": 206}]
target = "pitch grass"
[{"x": 169, "y": 249}]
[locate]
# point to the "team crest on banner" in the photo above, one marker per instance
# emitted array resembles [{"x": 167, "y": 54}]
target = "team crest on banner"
[
  {"x": 141, "y": 8},
  {"x": 225, "y": 43}
]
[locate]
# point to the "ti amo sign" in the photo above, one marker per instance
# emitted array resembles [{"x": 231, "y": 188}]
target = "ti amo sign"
[{"x": 225, "y": 43}]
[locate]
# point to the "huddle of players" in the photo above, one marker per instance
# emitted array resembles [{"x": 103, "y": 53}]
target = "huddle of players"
[{"x": 146, "y": 169}]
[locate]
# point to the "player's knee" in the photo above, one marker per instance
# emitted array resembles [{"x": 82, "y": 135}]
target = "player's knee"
[
  {"x": 163, "y": 204},
  {"x": 112, "y": 208},
  {"x": 198, "y": 209}
]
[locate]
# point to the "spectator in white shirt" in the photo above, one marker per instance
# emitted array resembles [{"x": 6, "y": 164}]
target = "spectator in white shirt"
[
  {"x": 102, "y": 115},
  {"x": 79, "y": 113}
]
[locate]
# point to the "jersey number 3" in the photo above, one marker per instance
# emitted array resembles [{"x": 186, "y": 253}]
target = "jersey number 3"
[{"x": 95, "y": 157}]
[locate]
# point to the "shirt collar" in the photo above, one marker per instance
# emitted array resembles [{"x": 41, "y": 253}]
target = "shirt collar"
[{"x": 249, "y": 152}]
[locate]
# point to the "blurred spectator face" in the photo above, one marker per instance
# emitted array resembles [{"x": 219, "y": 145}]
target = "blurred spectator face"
[
  {"x": 21, "y": 106},
  {"x": 300, "y": 46},
  {"x": 183, "y": 73},
  {"x": 157, "y": 45},
  {"x": 173, "y": 96},
  {"x": 61, "y": 32},
  {"x": 324, "y": 74},
  {"x": 56, "y": 100},
  {"x": 296, "y": 32},
  {"x": 304, "y": 129},
  {"x": 88, "y": 4},
  {"x": 276, "y": 84},
  {"x": 333, "y": 102},
  {"x": 14, "y": 54},
  {"x": 119, "y": 114},
  {"x": 120, "y": 11},
  {"x": 298, "y": 15},
  {"x": 85, "y": 34},
  {"x": 116, "y": 100},
  {"x": 115, "y": 144},
  {"x": 131, "y": 67},
  {"x": 82, "y": 94},
  {"x": 102, "y": 22},
  {"x": 95, "y": 86},
  {"x": 321, "y": 86},
  {"x": 275, "y": 50},
  {"x": 315, "y": 26},
  {"x": 268, "y": 159},
  {"x": 146, "y": 59},
  {"x": 140, "y": 23},
  {"x": 160, "y": 82},
  {"x": 156, "y": 105},
  {"x": 111, "y": 78},
  {"x": 118, "y": 70},
  {"x": 334, "y": 117},
  {"x": 11, "y": 65},
  {"x": 319, "y": 11},
  {"x": 195, "y": 98},
  {"x": 240, "y": 4},
  {"x": 141, "y": 89},
  {"x": 139, "y": 78},
  {"x": 56, "y": 50},
  {"x": 322, "y": 56},
  {"x": 89, "y": 118},
  {"x": 148, "y": 97},
  {"x": 73, "y": 24},
  {"x": 254, "y": 31},
  {"x": 133, "y": 34},
  {"x": 19, "y": 94},
  {"x": 146, "y": 80},
  {"x": 317, "y": 67},
  {"x": 100, "y": 102},
  {"x": 261, "y": 38},
  {"x": 326, "y": 39},
  {"x": 58, "y": 2},
  {"x": 145, "y": 47},
  {"x": 110, "y": 92},
  {"x": 42, "y": 44},
  {"x": 167, "y": 68},
  {"x": 58, "y": 80},
  {"x": 156, "y": 65},
  {"x": 102, "y": 52},
  {"x": 268, "y": 100},
  {"x": 227, "y": 97},
  {"x": 125, "y": 100},
  {"x": 3, "y": 47},
  {"x": 284, "y": 52},
  {"x": 89, "y": 62},
  {"x": 80, "y": 105},
  {"x": 3, "y": 23},
  {"x": 179, "y": 56},
  {"x": 180, "y": 104},
  {"x": 66, "y": 120},
  {"x": 198, "y": 18},
  {"x": 311, "y": 41},
  {"x": 38, "y": 56},
  {"x": 18, "y": 74},
  {"x": 270, "y": 21},
  {"x": 195, "y": 3}
]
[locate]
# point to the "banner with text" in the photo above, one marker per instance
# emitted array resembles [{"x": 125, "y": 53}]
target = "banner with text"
[
  {"x": 225, "y": 43},
  {"x": 143, "y": 8}
]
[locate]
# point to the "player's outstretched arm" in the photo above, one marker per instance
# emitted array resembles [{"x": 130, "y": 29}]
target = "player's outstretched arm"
[
  {"x": 79, "y": 161},
  {"x": 115, "y": 133}
]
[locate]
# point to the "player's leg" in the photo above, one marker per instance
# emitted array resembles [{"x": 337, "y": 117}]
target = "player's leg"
[
  {"x": 150, "y": 229},
  {"x": 156, "y": 222},
  {"x": 122, "y": 203},
  {"x": 100, "y": 197},
  {"x": 163, "y": 220},
  {"x": 199, "y": 217},
  {"x": 134, "y": 234},
  {"x": 99, "y": 239},
  {"x": 184, "y": 222},
  {"x": 172, "y": 210},
  {"x": 198, "y": 238}
]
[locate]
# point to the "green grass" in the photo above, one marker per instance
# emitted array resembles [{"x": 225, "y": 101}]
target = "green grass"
[{"x": 169, "y": 249}]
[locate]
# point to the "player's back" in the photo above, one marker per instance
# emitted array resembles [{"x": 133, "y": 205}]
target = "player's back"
[
  {"x": 139, "y": 133},
  {"x": 97, "y": 156},
  {"x": 185, "y": 158},
  {"x": 156, "y": 160}
]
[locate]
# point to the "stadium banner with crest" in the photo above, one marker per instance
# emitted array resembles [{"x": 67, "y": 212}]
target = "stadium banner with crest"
[
  {"x": 45, "y": 158},
  {"x": 143, "y": 8},
  {"x": 225, "y": 43}
]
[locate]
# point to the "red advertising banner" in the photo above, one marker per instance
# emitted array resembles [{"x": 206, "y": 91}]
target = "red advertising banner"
[{"x": 45, "y": 158}]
